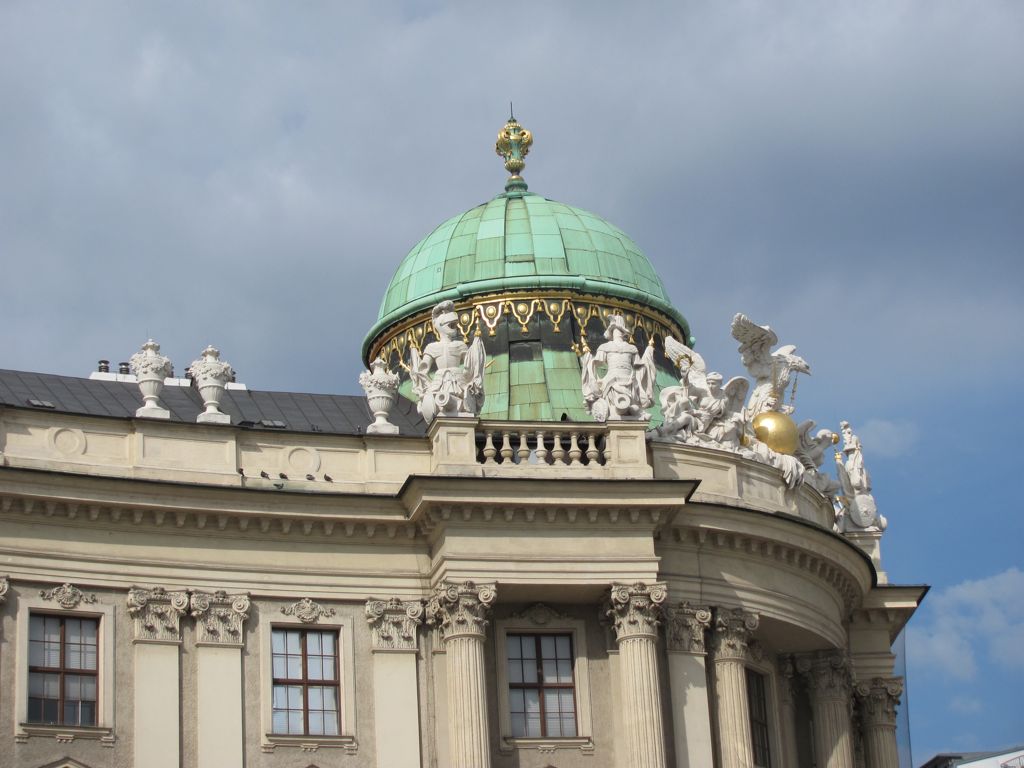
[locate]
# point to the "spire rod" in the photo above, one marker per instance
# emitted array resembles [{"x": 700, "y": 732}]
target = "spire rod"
[{"x": 513, "y": 144}]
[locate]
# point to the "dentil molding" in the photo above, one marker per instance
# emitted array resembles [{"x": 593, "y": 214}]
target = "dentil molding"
[{"x": 394, "y": 624}]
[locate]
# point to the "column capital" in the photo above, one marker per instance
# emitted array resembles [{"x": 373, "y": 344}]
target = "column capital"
[
  {"x": 460, "y": 608},
  {"x": 5, "y": 585},
  {"x": 157, "y": 614},
  {"x": 394, "y": 624},
  {"x": 826, "y": 673},
  {"x": 636, "y": 610},
  {"x": 734, "y": 629},
  {"x": 685, "y": 628},
  {"x": 878, "y": 700},
  {"x": 219, "y": 617}
]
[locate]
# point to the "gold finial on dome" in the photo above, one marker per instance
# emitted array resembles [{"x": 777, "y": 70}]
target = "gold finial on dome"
[{"x": 513, "y": 144}]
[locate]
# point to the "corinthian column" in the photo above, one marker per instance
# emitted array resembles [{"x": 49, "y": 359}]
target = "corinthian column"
[
  {"x": 828, "y": 683},
  {"x": 636, "y": 611},
  {"x": 733, "y": 632},
  {"x": 878, "y": 701},
  {"x": 460, "y": 611}
]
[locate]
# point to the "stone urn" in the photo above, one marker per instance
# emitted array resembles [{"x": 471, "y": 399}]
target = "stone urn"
[
  {"x": 381, "y": 388},
  {"x": 211, "y": 375},
  {"x": 150, "y": 369}
]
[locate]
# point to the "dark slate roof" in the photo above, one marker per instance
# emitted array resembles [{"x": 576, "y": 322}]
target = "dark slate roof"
[{"x": 300, "y": 412}]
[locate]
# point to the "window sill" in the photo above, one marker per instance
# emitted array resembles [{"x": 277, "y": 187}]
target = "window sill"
[
  {"x": 65, "y": 734},
  {"x": 272, "y": 741},
  {"x": 584, "y": 744}
]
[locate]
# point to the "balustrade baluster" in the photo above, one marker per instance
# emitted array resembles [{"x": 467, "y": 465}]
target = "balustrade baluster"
[
  {"x": 506, "y": 447},
  {"x": 574, "y": 448},
  {"x": 557, "y": 452},
  {"x": 592, "y": 453},
  {"x": 524, "y": 449},
  {"x": 542, "y": 450},
  {"x": 489, "y": 450}
]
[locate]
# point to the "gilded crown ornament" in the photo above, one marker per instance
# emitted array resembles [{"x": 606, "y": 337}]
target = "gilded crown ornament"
[{"x": 513, "y": 144}]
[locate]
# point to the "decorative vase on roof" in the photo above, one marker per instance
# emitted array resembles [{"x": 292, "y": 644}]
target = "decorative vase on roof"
[
  {"x": 211, "y": 376},
  {"x": 151, "y": 368},
  {"x": 381, "y": 388}
]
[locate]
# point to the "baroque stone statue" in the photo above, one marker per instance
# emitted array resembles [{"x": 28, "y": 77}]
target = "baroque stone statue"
[
  {"x": 857, "y": 510},
  {"x": 626, "y": 389},
  {"x": 771, "y": 371},
  {"x": 456, "y": 387}
]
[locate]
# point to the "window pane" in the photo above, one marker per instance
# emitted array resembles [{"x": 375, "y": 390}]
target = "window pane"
[
  {"x": 70, "y": 713},
  {"x": 530, "y": 671},
  {"x": 73, "y": 657},
  {"x": 563, "y": 647},
  {"x": 51, "y": 631},
  {"x": 551, "y": 703},
  {"x": 329, "y": 672},
  {"x": 51, "y": 654},
  {"x": 277, "y": 641},
  {"x": 280, "y": 666},
  {"x": 553, "y": 724},
  {"x": 547, "y": 647},
  {"x": 533, "y": 726},
  {"x": 89, "y": 657},
  {"x": 516, "y": 702},
  {"x": 88, "y": 689},
  {"x": 294, "y": 642},
  {"x": 515, "y": 671},
  {"x": 568, "y": 725},
  {"x": 550, "y": 671},
  {"x": 294, "y": 697},
  {"x": 35, "y": 654},
  {"x": 280, "y": 697},
  {"x": 316, "y": 722},
  {"x": 50, "y": 710},
  {"x": 330, "y": 697},
  {"x": 280, "y": 721},
  {"x": 295, "y": 722},
  {"x": 331, "y": 723},
  {"x": 513, "y": 647},
  {"x": 72, "y": 687},
  {"x": 314, "y": 668},
  {"x": 518, "y": 725},
  {"x": 529, "y": 647},
  {"x": 316, "y": 697},
  {"x": 328, "y": 640},
  {"x": 566, "y": 701},
  {"x": 35, "y": 627},
  {"x": 564, "y": 671},
  {"x": 88, "y": 713},
  {"x": 532, "y": 702},
  {"x": 90, "y": 627},
  {"x": 295, "y": 667},
  {"x": 313, "y": 643}
]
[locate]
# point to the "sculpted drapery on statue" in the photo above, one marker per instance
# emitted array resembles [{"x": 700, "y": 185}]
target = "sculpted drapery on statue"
[
  {"x": 857, "y": 510},
  {"x": 626, "y": 389},
  {"x": 456, "y": 387}
]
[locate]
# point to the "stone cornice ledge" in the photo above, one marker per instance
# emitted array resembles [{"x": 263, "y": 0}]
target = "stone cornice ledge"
[
  {"x": 271, "y": 741},
  {"x": 64, "y": 734},
  {"x": 547, "y": 746}
]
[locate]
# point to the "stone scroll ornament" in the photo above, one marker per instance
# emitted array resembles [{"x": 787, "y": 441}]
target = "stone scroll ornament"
[
  {"x": 381, "y": 388},
  {"x": 636, "y": 609},
  {"x": 307, "y": 611},
  {"x": 626, "y": 389},
  {"x": 856, "y": 509},
  {"x": 686, "y": 628},
  {"x": 67, "y": 596},
  {"x": 150, "y": 369},
  {"x": 219, "y": 616},
  {"x": 211, "y": 376},
  {"x": 157, "y": 613},
  {"x": 448, "y": 378},
  {"x": 394, "y": 624}
]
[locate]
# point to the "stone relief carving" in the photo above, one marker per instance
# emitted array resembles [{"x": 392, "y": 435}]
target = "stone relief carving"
[
  {"x": 856, "y": 508},
  {"x": 219, "y": 616},
  {"x": 626, "y": 389},
  {"x": 150, "y": 369},
  {"x": 636, "y": 610},
  {"x": 381, "y": 388},
  {"x": 878, "y": 700},
  {"x": 5, "y": 586},
  {"x": 686, "y": 628},
  {"x": 67, "y": 596},
  {"x": 539, "y": 614},
  {"x": 307, "y": 611},
  {"x": 211, "y": 375},
  {"x": 457, "y": 385},
  {"x": 733, "y": 633},
  {"x": 157, "y": 613},
  {"x": 460, "y": 608},
  {"x": 394, "y": 624}
]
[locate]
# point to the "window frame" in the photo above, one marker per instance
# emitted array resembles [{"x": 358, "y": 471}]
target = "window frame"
[
  {"x": 762, "y": 725},
  {"x": 62, "y": 671},
  {"x": 540, "y": 685},
  {"x": 543, "y": 620},
  {"x": 30, "y": 604},
  {"x": 776, "y": 746},
  {"x": 347, "y": 714},
  {"x": 305, "y": 682}
]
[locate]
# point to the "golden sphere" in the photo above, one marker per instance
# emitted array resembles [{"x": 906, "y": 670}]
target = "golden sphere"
[{"x": 777, "y": 431}]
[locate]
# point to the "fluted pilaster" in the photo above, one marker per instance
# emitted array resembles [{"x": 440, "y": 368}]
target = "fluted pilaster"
[
  {"x": 731, "y": 645},
  {"x": 637, "y": 613},
  {"x": 828, "y": 683},
  {"x": 878, "y": 701},
  {"x": 460, "y": 611}
]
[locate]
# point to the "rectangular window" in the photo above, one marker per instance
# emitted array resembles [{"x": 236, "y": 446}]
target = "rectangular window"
[
  {"x": 758, "y": 703},
  {"x": 541, "y": 687},
  {"x": 305, "y": 682},
  {"x": 62, "y": 658}
]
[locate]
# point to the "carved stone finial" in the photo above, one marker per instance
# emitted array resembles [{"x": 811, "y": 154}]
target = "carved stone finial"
[
  {"x": 734, "y": 630},
  {"x": 626, "y": 388},
  {"x": 157, "y": 613},
  {"x": 456, "y": 387},
  {"x": 686, "y": 627},
  {"x": 67, "y": 596},
  {"x": 636, "y": 610},
  {"x": 826, "y": 673},
  {"x": 5, "y": 586},
  {"x": 381, "y": 388},
  {"x": 513, "y": 145},
  {"x": 307, "y": 611},
  {"x": 219, "y": 616},
  {"x": 151, "y": 368},
  {"x": 879, "y": 699},
  {"x": 394, "y": 624},
  {"x": 211, "y": 375},
  {"x": 461, "y": 608}
]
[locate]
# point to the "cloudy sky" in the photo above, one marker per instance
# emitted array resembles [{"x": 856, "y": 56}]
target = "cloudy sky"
[{"x": 250, "y": 175}]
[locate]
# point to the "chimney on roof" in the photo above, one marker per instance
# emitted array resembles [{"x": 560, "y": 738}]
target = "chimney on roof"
[
  {"x": 103, "y": 366},
  {"x": 123, "y": 368}
]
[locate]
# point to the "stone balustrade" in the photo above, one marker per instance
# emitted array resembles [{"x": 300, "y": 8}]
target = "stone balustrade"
[{"x": 534, "y": 444}]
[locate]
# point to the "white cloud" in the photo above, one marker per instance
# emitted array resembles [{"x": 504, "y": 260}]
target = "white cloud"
[{"x": 981, "y": 618}]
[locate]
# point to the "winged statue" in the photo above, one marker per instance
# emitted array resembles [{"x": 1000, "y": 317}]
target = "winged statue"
[{"x": 771, "y": 371}]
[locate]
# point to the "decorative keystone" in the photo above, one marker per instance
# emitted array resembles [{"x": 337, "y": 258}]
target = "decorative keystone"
[
  {"x": 151, "y": 368},
  {"x": 157, "y": 614},
  {"x": 211, "y": 375}
]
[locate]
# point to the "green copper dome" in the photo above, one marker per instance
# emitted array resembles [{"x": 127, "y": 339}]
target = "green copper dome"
[{"x": 520, "y": 242}]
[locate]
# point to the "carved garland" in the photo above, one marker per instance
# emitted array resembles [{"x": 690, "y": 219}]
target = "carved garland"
[
  {"x": 307, "y": 611},
  {"x": 67, "y": 596}
]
